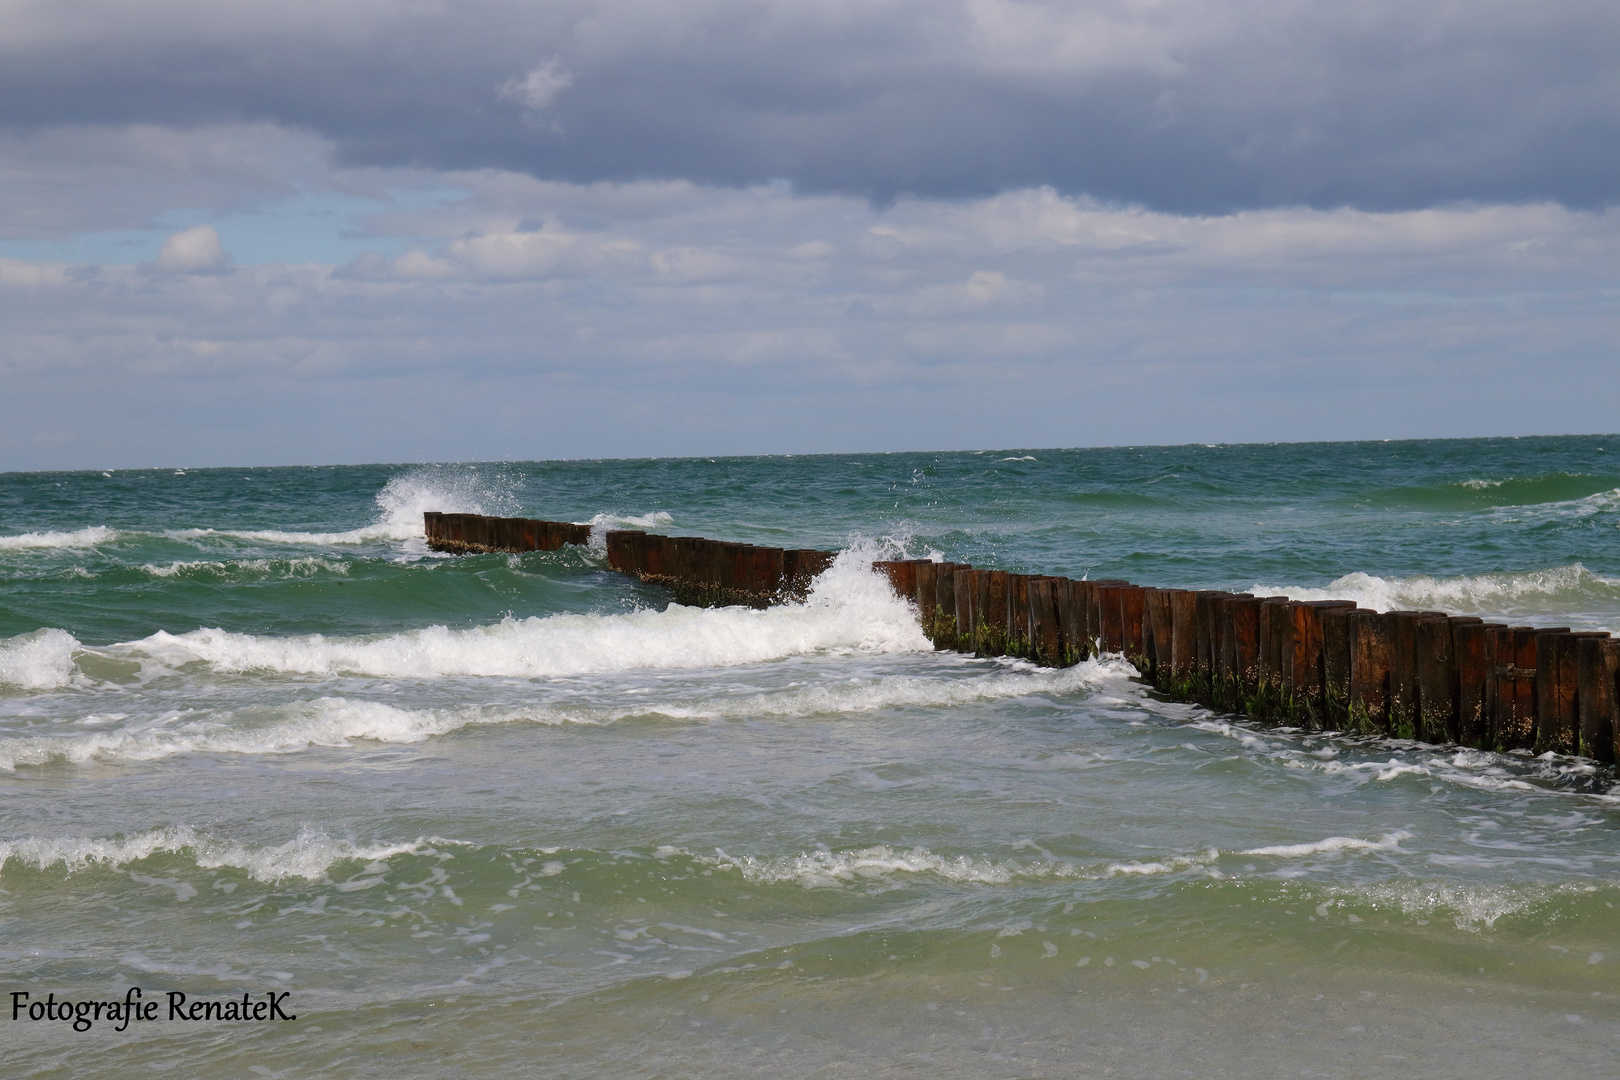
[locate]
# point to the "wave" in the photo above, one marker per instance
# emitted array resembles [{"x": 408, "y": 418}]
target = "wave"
[
  {"x": 400, "y": 506},
  {"x": 601, "y": 523},
  {"x": 309, "y": 856},
  {"x": 247, "y": 569},
  {"x": 878, "y": 864},
  {"x": 41, "y": 660},
  {"x": 1387, "y": 842},
  {"x": 1555, "y": 591},
  {"x": 849, "y": 610},
  {"x": 1471, "y": 907},
  {"x": 1489, "y": 493},
  {"x": 336, "y": 722},
  {"x": 79, "y": 538}
]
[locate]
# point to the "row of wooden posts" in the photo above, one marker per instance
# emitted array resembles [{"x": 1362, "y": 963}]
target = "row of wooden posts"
[
  {"x": 1324, "y": 664},
  {"x": 698, "y": 571},
  {"x": 1321, "y": 664}
]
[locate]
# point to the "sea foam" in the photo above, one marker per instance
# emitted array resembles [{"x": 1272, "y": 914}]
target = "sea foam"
[
  {"x": 42, "y": 660},
  {"x": 1552, "y": 592},
  {"x": 309, "y": 855},
  {"x": 78, "y": 538},
  {"x": 849, "y": 610},
  {"x": 337, "y": 722}
]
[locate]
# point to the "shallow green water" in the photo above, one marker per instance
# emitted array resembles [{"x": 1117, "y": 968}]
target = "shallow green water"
[{"x": 515, "y": 815}]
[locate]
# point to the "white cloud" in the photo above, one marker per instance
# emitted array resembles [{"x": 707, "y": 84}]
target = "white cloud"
[
  {"x": 193, "y": 251},
  {"x": 539, "y": 88}
]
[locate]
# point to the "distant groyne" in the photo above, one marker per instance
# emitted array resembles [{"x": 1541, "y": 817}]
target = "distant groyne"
[{"x": 1320, "y": 665}]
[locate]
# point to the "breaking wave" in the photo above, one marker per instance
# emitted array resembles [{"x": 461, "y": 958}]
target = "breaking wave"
[
  {"x": 849, "y": 610},
  {"x": 42, "y": 660},
  {"x": 1554, "y": 592},
  {"x": 79, "y": 538},
  {"x": 309, "y": 856}
]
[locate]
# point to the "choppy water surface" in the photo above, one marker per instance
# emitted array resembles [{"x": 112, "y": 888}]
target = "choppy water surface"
[{"x": 518, "y": 816}]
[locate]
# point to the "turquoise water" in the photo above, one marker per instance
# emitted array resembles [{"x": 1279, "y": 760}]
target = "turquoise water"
[{"x": 517, "y": 815}]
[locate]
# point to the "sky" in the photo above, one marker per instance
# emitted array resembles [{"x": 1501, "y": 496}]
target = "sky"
[{"x": 240, "y": 232}]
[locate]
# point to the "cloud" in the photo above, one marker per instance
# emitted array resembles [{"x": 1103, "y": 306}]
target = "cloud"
[
  {"x": 539, "y": 88},
  {"x": 193, "y": 251},
  {"x": 1177, "y": 105},
  {"x": 530, "y": 318}
]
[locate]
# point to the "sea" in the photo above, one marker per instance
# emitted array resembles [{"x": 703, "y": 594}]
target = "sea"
[{"x": 521, "y": 816}]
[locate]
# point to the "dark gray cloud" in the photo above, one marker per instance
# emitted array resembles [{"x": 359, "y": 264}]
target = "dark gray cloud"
[{"x": 1182, "y": 105}]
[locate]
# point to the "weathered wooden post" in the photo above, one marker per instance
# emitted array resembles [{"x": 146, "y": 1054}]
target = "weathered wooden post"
[
  {"x": 1069, "y": 621},
  {"x": 1556, "y": 678},
  {"x": 1158, "y": 635},
  {"x": 945, "y": 605},
  {"x": 994, "y": 621},
  {"x": 966, "y": 593},
  {"x": 1045, "y": 637},
  {"x": 1018, "y": 636},
  {"x": 1369, "y": 671},
  {"x": 1437, "y": 702},
  {"x": 1473, "y": 659},
  {"x": 1183, "y": 640},
  {"x": 1085, "y": 599},
  {"x": 1130, "y": 620},
  {"x": 1336, "y": 642},
  {"x": 1245, "y": 612},
  {"x": 926, "y": 598},
  {"x": 1595, "y": 660}
]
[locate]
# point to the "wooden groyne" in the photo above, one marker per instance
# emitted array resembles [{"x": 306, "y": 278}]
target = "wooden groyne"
[
  {"x": 699, "y": 572},
  {"x": 1321, "y": 665}
]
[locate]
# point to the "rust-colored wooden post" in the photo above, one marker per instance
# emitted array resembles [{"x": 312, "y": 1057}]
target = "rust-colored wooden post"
[
  {"x": 966, "y": 594},
  {"x": 1336, "y": 641},
  {"x": 1069, "y": 619},
  {"x": 1595, "y": 660},
  {"x": 1018, "y": 638},
  {"x": 1403, "y": 667},
  {"x": 1183, "y": 636},
  {"x": 1555, "y": 693},
  {"x": 1473, "y": 660},
  {"x": 1158, "y": 634},
  {"x": 995, "y": 613},
  {"x": 1111, "y": 632},
  {"x": 1245, "y": 613},
  {"x": 945, "y": 605},
  {"x": 925, "y": 596},
  {"x": 1437, "y": 701},
  {"x": 1130, "y": 623},
  {"x": 1369, "y": 671},
  {"x": 1045, "y": 635}
]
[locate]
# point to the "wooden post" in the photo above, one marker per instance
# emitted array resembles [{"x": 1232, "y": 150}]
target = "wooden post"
[
  {"x": 945, "y": 605},
  {"x": 1596, "y": 660},
  {"x": 1183, "y": 635},
  {"x": 994, "y": 619},
  {"x": 1403, "y": 680},
  {"x": 1069, "y": 620},
  {"x": 1473, "y": 658},
  {"x": 1437, "y": 703},
  {"x": 1018, "y": 636},
  {"x": 1555, "y": 693},
  {"x": 1085, "y": 598},
  {"x": 1130, "y": 621},
  {"x": 1045, "y": 636},
  {"x": 966, "y": 594},
  {"x": 1369, "y": 671},
  {"x": 1158, "y": 634},
  {"x": 1274, "y": 626},
  {"x": 927, "y": 578},
  {"x": 1336, "y": 643},
  {"x": 1112, "y": 630},
  {"x": 1245, "y": 612}
]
